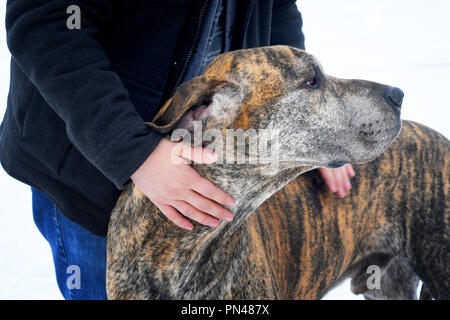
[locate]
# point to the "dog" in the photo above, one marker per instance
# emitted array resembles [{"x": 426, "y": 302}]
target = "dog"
[{"x": 302, "y": 241}]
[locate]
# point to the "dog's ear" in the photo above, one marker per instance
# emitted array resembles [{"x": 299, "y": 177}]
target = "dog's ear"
[{"x": 192, "y": 93}]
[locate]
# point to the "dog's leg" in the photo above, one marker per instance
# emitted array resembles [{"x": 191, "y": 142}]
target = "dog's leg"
[
  {"x": 431, "y": 264},
  {"x": 426, "y": 202},
  {"x": 398, "y": 282}
]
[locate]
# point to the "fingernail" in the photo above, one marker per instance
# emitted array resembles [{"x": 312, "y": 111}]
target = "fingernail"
[
  {"x": 189, "y": 227},
  {"x": 214, "y": 223},
  {"x": 352, "y": 172},
  {"x": 341, "y": 193},
  {"x": 229, "y": 217},
  {"x": 348, "y": 186}
]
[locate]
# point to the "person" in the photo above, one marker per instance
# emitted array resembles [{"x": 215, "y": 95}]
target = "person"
[{"x": 79, "y": 96}]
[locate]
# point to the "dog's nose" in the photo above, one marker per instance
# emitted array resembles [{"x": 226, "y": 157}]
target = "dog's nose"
[{"x": 395, "y": 97}]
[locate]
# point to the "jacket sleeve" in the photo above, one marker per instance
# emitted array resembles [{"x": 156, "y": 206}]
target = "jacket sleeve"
[
  {"x": 287, "y": 24},
  {"x": 71, "y": 71}
]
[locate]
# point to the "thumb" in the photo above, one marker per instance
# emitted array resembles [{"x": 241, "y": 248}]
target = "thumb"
[{"x": 196, "y": 154}]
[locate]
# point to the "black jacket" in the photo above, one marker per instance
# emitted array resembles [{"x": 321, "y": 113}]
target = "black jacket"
[{"x": 74, "y": 125}]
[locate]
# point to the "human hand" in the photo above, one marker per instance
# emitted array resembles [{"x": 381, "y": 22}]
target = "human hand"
[
  {"x": 338, "y": 180},
  {"x": 168, "y": 180}
]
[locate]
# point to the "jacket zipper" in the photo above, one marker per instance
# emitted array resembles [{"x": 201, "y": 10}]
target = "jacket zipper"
[{"x": 194, "y": 43}]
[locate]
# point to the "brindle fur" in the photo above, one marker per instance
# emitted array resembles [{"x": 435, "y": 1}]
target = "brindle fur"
[
  {"x": 397, "y": 212},
  {"x": 302, "y": 241}
]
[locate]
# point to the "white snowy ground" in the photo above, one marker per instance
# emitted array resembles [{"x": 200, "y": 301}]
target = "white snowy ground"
[{"x": 405, "y": 43}]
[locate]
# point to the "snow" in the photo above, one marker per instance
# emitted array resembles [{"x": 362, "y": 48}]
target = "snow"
[{"x": 404, "y": 43}]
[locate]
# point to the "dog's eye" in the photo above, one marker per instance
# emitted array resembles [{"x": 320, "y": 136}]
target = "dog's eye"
[{"x": 311, "y": 83}]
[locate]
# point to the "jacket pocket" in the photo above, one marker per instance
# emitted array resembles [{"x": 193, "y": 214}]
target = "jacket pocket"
[{"x": 44, "y": 134}]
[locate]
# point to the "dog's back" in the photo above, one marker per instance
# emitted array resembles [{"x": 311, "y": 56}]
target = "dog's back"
[{"x": 398, "y": 208}]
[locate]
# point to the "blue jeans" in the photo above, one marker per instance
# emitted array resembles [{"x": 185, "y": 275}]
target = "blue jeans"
[{"x": 79, "y": 256}]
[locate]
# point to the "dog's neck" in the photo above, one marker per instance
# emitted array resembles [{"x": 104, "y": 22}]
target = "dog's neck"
[{"x": 249, "y": 186}]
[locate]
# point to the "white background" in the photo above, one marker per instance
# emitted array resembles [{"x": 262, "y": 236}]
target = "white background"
[{"x": 404, "y": 43}]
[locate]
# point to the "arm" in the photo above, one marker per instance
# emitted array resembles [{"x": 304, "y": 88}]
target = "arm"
[
  {"x": 287, "y": 24},
  {"x": 72, "y": 73}
]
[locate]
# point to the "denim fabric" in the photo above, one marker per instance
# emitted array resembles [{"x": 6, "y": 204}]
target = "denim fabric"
[
  {"x": 78, "y": 255},
  {"x": 215, "y": 37},
  {"x": 215, "y": 44}
]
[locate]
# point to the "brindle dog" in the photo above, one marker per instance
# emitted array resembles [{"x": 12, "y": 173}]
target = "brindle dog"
[{"x": 302, "y": 241}]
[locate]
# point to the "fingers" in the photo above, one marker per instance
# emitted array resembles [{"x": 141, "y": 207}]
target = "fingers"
[
  {"x": 350, "y": 170},
  {"x": 171, "y": 187},
  {"x": 174, "y": 216},
  {"x": 338, "y": 180},
  {"x": 193, "y": 213},
  {"x": 180, "y": 211},
  {"x": 328, "y": 176},
  {"x": 196, "y": 154},
  {"x": 209, "y": 190},
  {"x": 209, "y": 207},
  {"x": 342, "y": 181}
]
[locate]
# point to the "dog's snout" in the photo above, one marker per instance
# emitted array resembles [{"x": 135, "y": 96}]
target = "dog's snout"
[{"x": 395, "y": 97}]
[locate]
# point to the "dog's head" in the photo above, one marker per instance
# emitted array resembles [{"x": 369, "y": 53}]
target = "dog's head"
[{"x": 320, "y": 120}]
